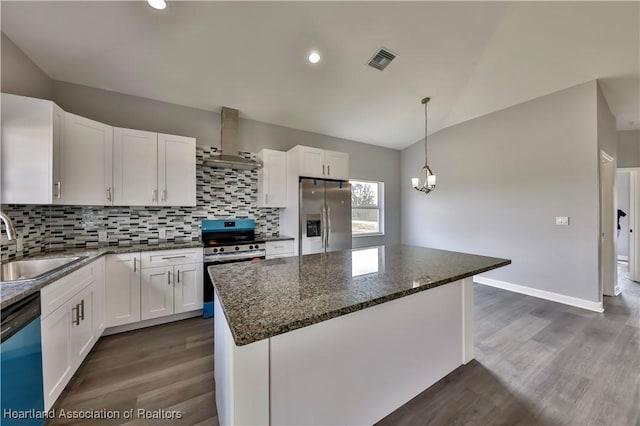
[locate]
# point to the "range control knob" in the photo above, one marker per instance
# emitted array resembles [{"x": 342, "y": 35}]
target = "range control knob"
[
  {"x": 237, "y": 248},
  {"x": 221, "y": 249},
  {"x": 256, "y": 247},
  {"x": 215, "y": 250},
  {"x": 251, "y": 247}
]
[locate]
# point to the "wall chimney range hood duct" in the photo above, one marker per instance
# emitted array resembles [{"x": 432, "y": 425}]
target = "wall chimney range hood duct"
[{"x": 230, "y": 159}]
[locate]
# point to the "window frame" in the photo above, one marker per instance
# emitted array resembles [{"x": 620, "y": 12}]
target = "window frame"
[{"x": 379, "y": 208}]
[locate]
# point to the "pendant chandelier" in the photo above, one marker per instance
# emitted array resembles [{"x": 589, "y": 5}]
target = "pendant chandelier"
[{"x": 426, "y": 182}]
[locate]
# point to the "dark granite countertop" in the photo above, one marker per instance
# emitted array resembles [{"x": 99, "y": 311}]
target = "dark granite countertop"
[
  {"x": 267, "y": 238},
  {"x": 264, "y": 299},
  {"x": 12, "y": 292}
]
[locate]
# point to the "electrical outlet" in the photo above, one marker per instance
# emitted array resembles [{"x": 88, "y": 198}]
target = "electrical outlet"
[
  {"x": 102, "y": 236},
  {"x": 562, "y": 220},
  {"x": 162, "y": 233},
  {"x": 19, "y": 244}
]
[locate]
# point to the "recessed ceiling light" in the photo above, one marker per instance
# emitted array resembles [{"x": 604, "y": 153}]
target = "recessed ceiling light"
[
  {"x": 157, "y": 4},
  {"x": 314, "y": 57}
]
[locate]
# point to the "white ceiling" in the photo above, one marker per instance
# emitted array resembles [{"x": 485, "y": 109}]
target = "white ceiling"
[{"x": 472, "y": 58}]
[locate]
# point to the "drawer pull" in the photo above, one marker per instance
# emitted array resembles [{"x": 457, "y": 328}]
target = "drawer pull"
[{"x": 174, "y": 257}]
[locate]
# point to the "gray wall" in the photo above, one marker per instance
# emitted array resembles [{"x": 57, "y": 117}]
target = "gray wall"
[
  {"x": 502, "y": 180},
  {"x": 629, "y": 148},
  {"x": 20, "y": 75}
]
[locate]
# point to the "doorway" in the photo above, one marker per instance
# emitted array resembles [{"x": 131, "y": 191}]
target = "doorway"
[
  {"x": 627, "y": 197},
  {"x": 608, "y": 228}
]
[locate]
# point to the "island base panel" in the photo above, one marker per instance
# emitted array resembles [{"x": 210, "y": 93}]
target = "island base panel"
[
  {"x": 358, "y": 368},
  {"x": 241, "y": 375},
  {"x": 353, "y": 369}
]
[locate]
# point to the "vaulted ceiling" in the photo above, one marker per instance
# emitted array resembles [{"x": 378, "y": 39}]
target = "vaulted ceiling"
[{"x": 471, "y": 58}]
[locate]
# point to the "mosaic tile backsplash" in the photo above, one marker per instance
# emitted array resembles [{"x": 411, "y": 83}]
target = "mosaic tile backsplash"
[{"x": 220, "y": 193}]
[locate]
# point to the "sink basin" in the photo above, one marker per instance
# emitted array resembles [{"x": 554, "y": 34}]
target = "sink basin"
[{"x": 22, "y": 270}]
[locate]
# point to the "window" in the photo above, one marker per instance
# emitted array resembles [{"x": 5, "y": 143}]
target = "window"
[{"x": 366, "y": 208}]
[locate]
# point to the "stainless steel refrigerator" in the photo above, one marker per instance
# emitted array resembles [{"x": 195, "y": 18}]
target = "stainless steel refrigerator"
[{"x": 325, "y": 215}]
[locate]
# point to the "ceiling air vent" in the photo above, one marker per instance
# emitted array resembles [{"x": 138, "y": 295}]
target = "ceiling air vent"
[{"x": 381, "y": 59}]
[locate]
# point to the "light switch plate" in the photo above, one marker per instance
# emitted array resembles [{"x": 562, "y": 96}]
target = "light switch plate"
[
  {"x": 562, "y": 220},
  {"x": 19, "y": 244},
  {"x": 102, "y": 236},
  {"x": 162, "y": 233}
]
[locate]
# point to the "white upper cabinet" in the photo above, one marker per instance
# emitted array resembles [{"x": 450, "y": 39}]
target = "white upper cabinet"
[
  {"x": 337, "y": 165},
  {"x": 85, "y": 162},
  {"x": 152, "y": 169},
  {"x": 31, "y": 130},
  {"x": 53, "y": 157},
  {"x": 176, "y": 170},
  {"x": 312, "y": 162},
  {"x": 272, "y": 178},
  {"x": 135, "y": 167},
  {"x": 50, "y": 156},
  {"x": 320, "y": 163}
]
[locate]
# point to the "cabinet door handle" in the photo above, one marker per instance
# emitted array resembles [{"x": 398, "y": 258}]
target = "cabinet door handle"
[
  {"x": 323, "y": 169},
  {"x": 82, "y": 309},
  {"x": 329, "y": 170},
  {"x": 59, "y": 189},
  {"x": 178, "y": 276},
  {"x": 169, "y": 277},
  {"x": 109, "y": 194},
  {"x": 267, "y": 199},
  {"x": 164, "y": 195},
  {"x": 135, "y": 261},
  {"x": 154, "y": 195},
  {"x": 76, "y": 310}
]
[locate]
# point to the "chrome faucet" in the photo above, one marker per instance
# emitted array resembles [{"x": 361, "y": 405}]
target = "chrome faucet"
[{"x": 8, "y": 226}]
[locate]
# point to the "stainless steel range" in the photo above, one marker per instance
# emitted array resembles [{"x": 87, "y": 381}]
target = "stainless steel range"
[{"x": 227, "y": 241}]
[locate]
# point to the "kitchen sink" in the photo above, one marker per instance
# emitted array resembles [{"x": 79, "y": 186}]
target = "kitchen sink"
[{"x": 23, "y": 270}]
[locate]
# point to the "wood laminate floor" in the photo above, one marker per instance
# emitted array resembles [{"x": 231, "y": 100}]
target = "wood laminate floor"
[{"x": 537, "y": 363}]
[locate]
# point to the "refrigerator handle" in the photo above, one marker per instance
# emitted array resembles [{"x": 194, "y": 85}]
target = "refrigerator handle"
[
  {"x": 322, "y": 227},
  {"x": 328, "y": 225}
]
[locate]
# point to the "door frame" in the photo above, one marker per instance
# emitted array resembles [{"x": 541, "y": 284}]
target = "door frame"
[
  {"x": 608, "y": 270},
  {"x": 634, "y": 221}
]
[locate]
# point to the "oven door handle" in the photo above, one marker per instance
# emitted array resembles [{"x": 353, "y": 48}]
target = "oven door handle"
[{"x": 217, "y": 259}]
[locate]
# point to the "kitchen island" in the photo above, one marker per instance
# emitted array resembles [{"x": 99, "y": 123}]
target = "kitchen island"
[{"x": 340, "y": 338}]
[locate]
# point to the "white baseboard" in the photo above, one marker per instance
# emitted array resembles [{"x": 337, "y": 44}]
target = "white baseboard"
[
  {"x": 149, "y": 323},
  {"x": 541, "y": 294},
  {"x": 623, "y": 258}
]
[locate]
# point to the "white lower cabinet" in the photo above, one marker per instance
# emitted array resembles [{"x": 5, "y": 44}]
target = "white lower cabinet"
[
  {"x": 168, "y": 290},
  {"x": 157, "y": 292},
  {"x": 122, "y": 289},
  {"x": 57, "y": 365},
  {"x": 148, "y": 285},
  {"x": 99, "y": 299},
  {"x": 276, "y": 249},
  {"x": 82, "y": 331},
  {"x": 68, "y": 327},
  {"x": 188, "y": 288},
  {"x": 108, "y": 292}
]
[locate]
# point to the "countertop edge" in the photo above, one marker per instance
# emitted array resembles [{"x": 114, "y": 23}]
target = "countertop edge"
[{"x": 92, "y": 254}]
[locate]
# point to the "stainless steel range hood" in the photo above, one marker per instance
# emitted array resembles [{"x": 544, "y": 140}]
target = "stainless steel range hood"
[{"x": 229, "y": 159}]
